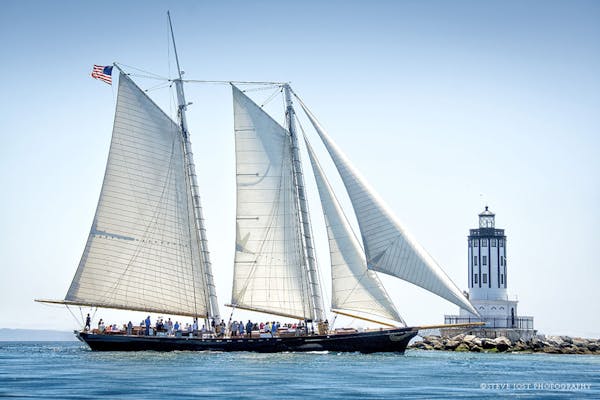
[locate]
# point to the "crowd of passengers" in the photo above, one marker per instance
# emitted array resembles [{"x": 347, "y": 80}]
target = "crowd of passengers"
[{"x": 235, "y": 329}]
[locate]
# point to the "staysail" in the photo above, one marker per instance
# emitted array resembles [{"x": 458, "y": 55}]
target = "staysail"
[
  {"x": 143, "y": 251},
  {"x": 389, "y": 248},
  {"x": 355, "y": 288},
  {"x": 269, "y": 273}
]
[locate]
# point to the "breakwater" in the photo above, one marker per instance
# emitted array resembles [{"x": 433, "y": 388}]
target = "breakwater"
[{"x": 537, "y": 344}]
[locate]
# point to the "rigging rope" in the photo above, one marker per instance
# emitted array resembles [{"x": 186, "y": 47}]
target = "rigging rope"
[
  {"x": 234, "y": 82},
  {"x": 271, "y": 97},
  {"x": 151, "y": 75}
]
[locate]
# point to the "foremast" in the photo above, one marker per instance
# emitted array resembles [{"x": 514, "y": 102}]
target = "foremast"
[
  {"x": 213, "y": 306},
  {"x": 314, "y": 286}
]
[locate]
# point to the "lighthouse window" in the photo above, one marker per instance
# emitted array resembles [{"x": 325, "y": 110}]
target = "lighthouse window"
[
  {"x": 484, "y": 278},
  {"x": 502, "y": 261},
  {"x": 493, "y": 242},
  {"x": 474, "y": 243},
  {"x": 502, "y": 279},
  {"x": 475, "y": 278},
  {"x": 475, "y": 261},
  {"x": 501, "y": 242},
  {"x": 484, "y": 261},
  {"x": 484, "y": 243}
]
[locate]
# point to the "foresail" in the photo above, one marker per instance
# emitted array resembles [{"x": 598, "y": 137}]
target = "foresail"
[
  {"x": 269, "y": 271},
  {"x": 389, "y": 248},
  {"x": 142, "y": 252},
  {"x": 354, "y": 286}
]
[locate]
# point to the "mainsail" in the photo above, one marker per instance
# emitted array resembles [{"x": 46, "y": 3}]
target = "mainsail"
[
  {"x": 269, "y": 272},
  {"x": 355, "y": 288},
  {"x": 389, "y": 248},
  {"x": 143, "y": 250}
]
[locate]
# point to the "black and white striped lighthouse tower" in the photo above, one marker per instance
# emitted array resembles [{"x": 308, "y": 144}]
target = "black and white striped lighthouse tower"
[
  {"x": 488, "y": 283},
  {"x": 487, "y": 260}
]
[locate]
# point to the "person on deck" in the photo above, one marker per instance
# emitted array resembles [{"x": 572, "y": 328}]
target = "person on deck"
[
  {"x": 88, "y": 322},
  {"x": 129, "y": 328},
  {"x": 147, "y": 322},
  {"x": 241, "y": 328},
  {"x": 249, "y": 329}
]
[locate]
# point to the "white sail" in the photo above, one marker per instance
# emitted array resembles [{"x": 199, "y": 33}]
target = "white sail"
[
  {"x": 142, "y": 252},
  {"x": 269, "y": 273},
  {"x": 355, "y": 288},
  {"x": 389, "y": 248}
]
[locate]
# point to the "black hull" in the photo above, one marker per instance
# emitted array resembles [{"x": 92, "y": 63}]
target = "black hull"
[{"x": 392, "y": 340}]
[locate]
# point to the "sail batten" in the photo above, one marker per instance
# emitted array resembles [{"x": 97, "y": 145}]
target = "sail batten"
[
  {"x": 355, "y": 288},
  {"x": 389, "y": 248},
  {"x": 269, "y": 273},
  {"x": 143, "y": 252}
]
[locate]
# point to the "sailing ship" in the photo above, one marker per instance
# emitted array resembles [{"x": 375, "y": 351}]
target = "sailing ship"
[{"x": 147, "y": 249}]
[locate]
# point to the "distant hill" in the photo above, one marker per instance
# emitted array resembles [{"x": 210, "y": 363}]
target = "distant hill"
[{"x": 35, "y": 335}]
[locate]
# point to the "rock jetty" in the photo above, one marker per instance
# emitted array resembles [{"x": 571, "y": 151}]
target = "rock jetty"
[{"x": 538, "y": 344}]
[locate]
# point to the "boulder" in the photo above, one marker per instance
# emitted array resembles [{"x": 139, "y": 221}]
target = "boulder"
[
  {"x": 502, "y": 343},
  {"x": 552, "y": 350},
  {"x": 567, "y": 339},
  {"x": 520, "y": 346},
  {"x": 535, "y": 344},
  {"x": 593, "y": 346},
  {"x": 458, "y": 338},
  {"x": 554, "y": 341},
  {"x": 583, "y": 350},
  {"x": 451, "y": 344},
  {"x": 469, "y": 338},
  {"x": 488, "y": 343},
  {"x": 462, "y": 347},
  {"x": 579, "y": 342},
  {"x": 570, "y": 349},
  {"x": 431, "y": 339},
  {"x": 439, "y": 346},
  {"x": 426, "y": 346}
]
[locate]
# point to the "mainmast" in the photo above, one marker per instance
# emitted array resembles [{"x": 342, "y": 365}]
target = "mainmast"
[
  {"x": 316, "y": 298},
  {"x": 213, "y": 306}
]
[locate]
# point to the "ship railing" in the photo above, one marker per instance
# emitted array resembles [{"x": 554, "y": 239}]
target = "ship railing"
[{"x": 525, "y": 323}]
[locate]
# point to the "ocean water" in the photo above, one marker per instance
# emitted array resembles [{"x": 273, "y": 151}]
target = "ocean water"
[{"x": 64, "y": 370}]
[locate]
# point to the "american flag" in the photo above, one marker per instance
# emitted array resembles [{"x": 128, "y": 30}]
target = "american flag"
[{"x": 104, "y": 73}]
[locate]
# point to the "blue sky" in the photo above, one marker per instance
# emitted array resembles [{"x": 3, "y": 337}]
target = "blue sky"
[{"x": 443, "y": 106}]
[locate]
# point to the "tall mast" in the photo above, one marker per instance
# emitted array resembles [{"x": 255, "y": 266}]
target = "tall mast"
[
  {"x": 213, "y": 305},
  {"x": 310, "y": 259}
]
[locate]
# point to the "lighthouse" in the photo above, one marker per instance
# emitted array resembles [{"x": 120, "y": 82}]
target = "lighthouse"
[
  {"x": 487, "y": 279},
  {"x": 487, "y": 262}
]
